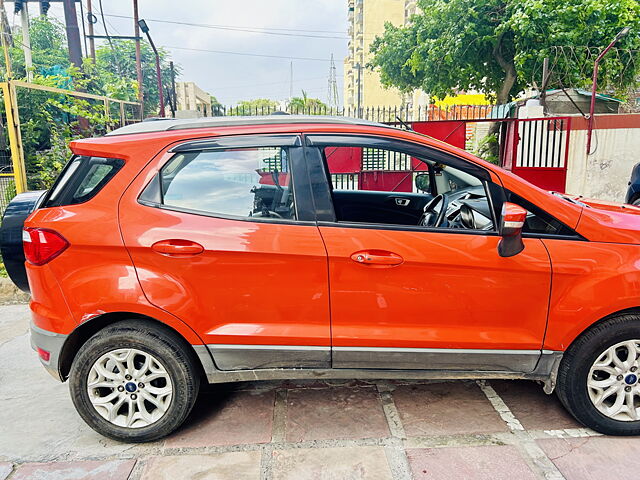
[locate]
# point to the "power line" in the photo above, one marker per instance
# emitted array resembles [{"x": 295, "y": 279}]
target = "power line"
[
  {"x": 266, "y": 31},
  {"x": 249, "y": 54}
]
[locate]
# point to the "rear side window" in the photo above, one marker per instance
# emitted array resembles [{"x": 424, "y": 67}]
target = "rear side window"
[
  {"x": 242, "y": 182},
  {"x": 82, "y": 179}
]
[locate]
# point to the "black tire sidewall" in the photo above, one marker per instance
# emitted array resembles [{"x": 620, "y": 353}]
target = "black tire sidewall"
[
  {"x": 175, "y": 361},
  {"x": 573, "y": 378}
]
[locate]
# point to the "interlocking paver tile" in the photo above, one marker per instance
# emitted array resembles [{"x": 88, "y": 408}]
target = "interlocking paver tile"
[
  {"x": 334, "y": 413},
  {"x": 446, "y": 408},
  {"x": 594, "y": 457},
  {"x": 221, "y": 466},
  {"x": 81, "y": 470},
  {"x": 353, "y": 463},
  {"x": 535, "y": 409},
  {"x": 488, "y": 462},
  {"x": 227, "y": 418},
  {"x": 5, "y": 469}
]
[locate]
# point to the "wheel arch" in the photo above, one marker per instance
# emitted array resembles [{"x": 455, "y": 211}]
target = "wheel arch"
[
  {"x": 86, "y": 330},
  {"x": 630, "y": 310}
]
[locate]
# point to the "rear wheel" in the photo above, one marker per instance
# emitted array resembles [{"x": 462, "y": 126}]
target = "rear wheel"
[
  {"x": 134, "y": 382},
  {"x": 598, "y": 380},
  {"x": 636, "y": 202}
]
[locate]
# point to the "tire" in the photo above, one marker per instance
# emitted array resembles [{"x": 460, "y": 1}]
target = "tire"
[
  {"x": 138, "y": 411},
  {"x": 636, "y": 202},
  {"x": 611, "y": 343}
]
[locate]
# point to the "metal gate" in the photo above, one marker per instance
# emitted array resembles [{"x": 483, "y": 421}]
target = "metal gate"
[{"x": 537, "y": 149}]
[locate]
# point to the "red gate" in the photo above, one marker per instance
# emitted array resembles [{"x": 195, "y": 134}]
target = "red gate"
[{"x": 537, "y": 149}]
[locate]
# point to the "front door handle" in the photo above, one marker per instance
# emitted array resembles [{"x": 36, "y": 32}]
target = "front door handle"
[
  {"x": 377, "y": 257},
  {"x": 176, "y": 247}
]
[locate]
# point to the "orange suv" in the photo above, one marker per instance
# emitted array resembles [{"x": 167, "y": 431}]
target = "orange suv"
[{"x": 175, "y": 252}]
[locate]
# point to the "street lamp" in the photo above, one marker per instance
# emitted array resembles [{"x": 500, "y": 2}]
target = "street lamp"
[
  {"x": 145, "y": 28},
  {"x": 621, "y": 34}
]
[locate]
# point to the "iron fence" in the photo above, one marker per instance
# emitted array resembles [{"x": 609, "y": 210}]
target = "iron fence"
[{"x": 385, "y": 114}]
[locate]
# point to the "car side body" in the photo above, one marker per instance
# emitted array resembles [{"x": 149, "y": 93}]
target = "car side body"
[{"x": 271, "y": 298}]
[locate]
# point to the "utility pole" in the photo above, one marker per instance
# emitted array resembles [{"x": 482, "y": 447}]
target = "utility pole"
[
  {"x": 145, "y": 28},
  {"x": 136, "y": 33},
  {"x": 26, "y": 41},
  {"x": 90, "y": 21},
  {"x": 73, "y": 33},
  {"x": 173, "y": 102},
  {"x": 332, "y": 93},
  {"x": 5, "y": 35},
  {"x": 545, "y": 82},
  {"x": 359, "y": 67},
  {"x": 290, "y": 80}
]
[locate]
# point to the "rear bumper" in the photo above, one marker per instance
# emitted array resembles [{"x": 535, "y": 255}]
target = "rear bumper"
[{"x": 52, "y": 343}]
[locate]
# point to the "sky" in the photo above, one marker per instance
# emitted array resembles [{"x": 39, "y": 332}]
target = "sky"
[{"x": 309, "y": 30}]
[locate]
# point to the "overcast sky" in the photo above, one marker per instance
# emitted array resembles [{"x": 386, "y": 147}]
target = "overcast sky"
[{"x": 238, "y": 77}]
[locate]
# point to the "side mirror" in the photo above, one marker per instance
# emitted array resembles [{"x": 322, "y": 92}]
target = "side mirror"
[
  {"x": 511, "y": 223},
  {"x": 422, "y": 182}
]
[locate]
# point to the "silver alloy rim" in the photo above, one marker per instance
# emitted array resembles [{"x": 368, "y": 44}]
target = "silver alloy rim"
[
  {"x": 613, "y": 383},
  {"x": 129, "y": 388}
]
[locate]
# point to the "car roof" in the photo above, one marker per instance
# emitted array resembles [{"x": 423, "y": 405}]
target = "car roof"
[{"x": 172, "y": 124}]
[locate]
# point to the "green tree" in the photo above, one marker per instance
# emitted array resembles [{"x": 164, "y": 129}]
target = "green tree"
[
  {"x": 304, "y": 104},
  {"x": 48, "y": 47},
  {"x": 115, "y": 72},
  {"x": 254, "y": 107},
  {"x": 216, "y": 107},
  {"x": 497, "y": 46}
]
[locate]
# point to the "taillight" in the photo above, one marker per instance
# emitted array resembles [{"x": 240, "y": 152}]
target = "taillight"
[{"x": 42, "y": 245}]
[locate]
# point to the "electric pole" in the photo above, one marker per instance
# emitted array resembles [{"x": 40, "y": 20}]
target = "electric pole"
[
  {"x": 359, "y": 103},
  {"x": 26, "y": 40},
  {"x": 136, "y": 33},
  {"x": 73, "y": 32},
  {"x": 332, "y": 88},
  {"x": 91, "y": 18}
]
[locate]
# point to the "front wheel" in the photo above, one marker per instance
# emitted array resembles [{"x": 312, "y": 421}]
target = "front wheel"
[
  {"x": 599, "y": 377},
  {"x": 133, "y": 382}
]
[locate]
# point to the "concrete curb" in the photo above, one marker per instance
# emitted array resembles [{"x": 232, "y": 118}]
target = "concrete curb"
[{"x": 9, "y": 293}]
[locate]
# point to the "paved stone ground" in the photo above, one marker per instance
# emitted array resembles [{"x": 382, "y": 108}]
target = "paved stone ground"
[{"x": 306, "y": 430}]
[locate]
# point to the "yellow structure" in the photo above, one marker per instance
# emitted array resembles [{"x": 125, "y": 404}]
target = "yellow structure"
[{"x": 366, "y": 21}]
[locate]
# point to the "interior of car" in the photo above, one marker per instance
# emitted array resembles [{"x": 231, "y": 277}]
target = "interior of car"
[{"x": 428, "y": 194}]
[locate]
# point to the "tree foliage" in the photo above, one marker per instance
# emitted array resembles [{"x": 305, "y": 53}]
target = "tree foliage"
[
  {"x": 497, "y": 46},
  {"x": 306, "y": 104},
  {"x": 49, "y": 121}
]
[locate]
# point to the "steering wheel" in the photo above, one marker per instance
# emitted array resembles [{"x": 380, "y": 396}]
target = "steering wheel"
[
  {"x": 266, "y": 214},
  {"x": 431, "y": 218}
]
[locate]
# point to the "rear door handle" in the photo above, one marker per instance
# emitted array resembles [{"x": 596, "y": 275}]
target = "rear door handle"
[
  {"x": 377, "y": 257},
  {"x": 176, "y": 247}
]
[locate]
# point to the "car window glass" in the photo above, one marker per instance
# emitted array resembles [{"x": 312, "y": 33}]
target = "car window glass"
[
  {"x": 248, "y": 182},
  {"x": 385, "y": 186},
  {"x": 538, "y": 221}
]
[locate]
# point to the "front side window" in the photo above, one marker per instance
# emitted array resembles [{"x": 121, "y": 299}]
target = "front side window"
[
  {"x": 244, "y": 182},
  {"x": 391, "y": 187}
]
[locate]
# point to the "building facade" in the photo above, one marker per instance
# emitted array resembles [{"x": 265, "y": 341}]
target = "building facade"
[
  {"x": 366, "y": 21},
  {"x": 192, "y": 101}
]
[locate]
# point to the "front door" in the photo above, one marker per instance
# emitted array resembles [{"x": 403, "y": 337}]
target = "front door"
[
  {"x": 431, "y": 292},
  {"x": 222, "y": 237}
]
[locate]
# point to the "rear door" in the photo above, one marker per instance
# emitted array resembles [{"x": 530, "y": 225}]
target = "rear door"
[{"x": 222, "y": 235}]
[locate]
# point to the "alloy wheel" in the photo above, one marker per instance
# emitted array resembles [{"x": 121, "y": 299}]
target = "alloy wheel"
[
  {"x": 129, "y": 388},
  {"x": 613, "y": 382}
]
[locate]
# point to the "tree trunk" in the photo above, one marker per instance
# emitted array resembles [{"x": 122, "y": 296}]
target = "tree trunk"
[{"x": 504, "y": 94}]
